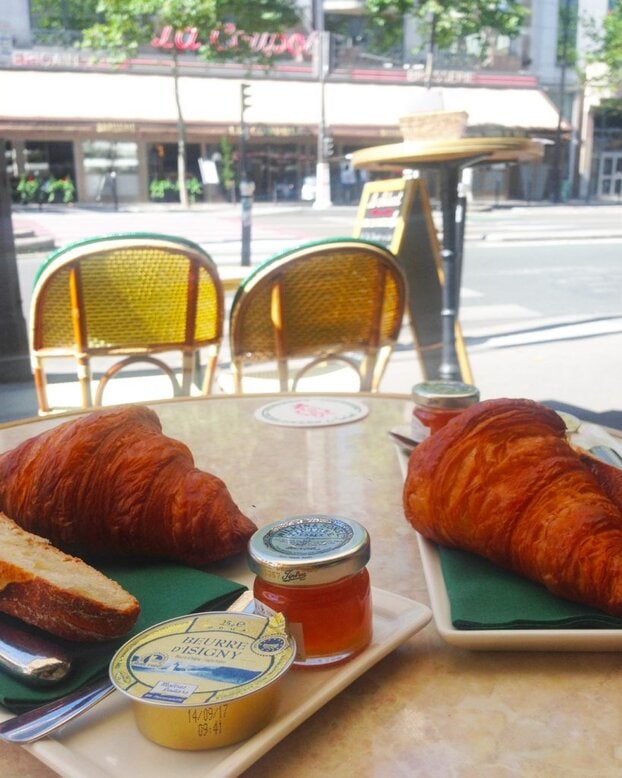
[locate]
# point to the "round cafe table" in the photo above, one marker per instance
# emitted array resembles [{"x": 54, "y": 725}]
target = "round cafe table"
[
  {"x": 449, "y": 157},
  {"x": 429, "y": 708}
]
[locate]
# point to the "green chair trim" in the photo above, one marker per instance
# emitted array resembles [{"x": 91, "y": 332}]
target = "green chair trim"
[
  {"x": 321, "y": 243},
  {"x": 112, "y": 237}
]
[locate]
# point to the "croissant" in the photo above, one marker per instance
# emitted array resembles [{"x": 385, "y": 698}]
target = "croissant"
[
  {"x": 111, "y": 483},
  {"x": 502, "y": 481}
]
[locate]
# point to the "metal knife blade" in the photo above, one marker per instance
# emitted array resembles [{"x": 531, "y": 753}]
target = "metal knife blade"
[{"x": 29, "y": 656}]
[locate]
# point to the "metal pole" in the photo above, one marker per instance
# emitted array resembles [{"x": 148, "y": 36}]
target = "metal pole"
[
  {"x": 247, "y": 187},
  {"x": 113, "y": 189},
  {"x": 322, "y": 171},
  {"x": 558, "y": 156},
  {"x": 449, "y": 368}
]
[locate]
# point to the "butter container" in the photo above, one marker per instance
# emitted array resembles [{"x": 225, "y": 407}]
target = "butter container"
[{"x": 205, "y": 680}]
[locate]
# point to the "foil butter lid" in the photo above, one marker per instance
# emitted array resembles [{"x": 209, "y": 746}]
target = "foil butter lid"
[
  {"x": 203, "y": 659},
  {"x": 309, "y": 550}
]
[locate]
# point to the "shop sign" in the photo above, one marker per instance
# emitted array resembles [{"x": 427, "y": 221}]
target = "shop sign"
[
  {"x": 267, "y": 131},
  {"x": 418, "y": 76},
  {"x": 116, "y": 127},
  {"x": 50, "y": 59},
  {"x": 229, "y": 38}
]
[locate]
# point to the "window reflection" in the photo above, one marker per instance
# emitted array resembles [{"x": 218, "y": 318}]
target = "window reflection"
[{"x": 102, "y": 157}]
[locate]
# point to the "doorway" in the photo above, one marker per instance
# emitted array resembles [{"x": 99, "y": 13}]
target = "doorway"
[{"x": 610, "y": 175}]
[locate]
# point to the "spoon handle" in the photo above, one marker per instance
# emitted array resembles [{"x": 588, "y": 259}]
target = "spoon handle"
[{"x": 37, "y": 723}]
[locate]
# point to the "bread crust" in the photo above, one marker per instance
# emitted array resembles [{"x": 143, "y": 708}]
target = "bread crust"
[
  {"x": 48, "y": 589},
  {"x": 111, "y": 483},
  {"x": 502, "y": 481}
]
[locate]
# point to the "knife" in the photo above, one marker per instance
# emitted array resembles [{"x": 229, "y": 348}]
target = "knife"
[
  {"x": 29, "y": 656},
  {"x": 608, "y": 455},
  {"x": 39, "y": 722}
]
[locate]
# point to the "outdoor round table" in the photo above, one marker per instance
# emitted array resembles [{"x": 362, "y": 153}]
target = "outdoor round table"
[
  {"x": 429, "y": 708},
  {"x": 449, "y": 157}
]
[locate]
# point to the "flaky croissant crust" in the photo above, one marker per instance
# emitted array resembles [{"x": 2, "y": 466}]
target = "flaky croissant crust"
[
  {"x": 502, "y": 481},
  {"x": 112, "y": 483}
]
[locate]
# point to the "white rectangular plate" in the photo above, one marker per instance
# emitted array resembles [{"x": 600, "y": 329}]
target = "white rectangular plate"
[
  {"x": 105, "y": 741},
  {"x": 500, "y": 639},
  {"x": 504, "y": 639}
]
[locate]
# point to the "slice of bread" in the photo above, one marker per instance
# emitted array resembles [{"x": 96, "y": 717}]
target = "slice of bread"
[{"x": 57, "y": 592}]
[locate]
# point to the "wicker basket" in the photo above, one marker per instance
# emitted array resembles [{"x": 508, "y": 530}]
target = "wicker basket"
[{"x": 435, "y": 125}]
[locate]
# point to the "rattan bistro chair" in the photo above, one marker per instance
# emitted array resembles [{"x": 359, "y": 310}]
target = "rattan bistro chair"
[
  {"x": 131, "y": 296},
  {"x": 341, "y": 299}
]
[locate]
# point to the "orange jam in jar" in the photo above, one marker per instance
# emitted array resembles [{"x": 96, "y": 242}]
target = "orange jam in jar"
[
  {"x": 312, "y": 569},
  {"x": 436, "y": 402}
]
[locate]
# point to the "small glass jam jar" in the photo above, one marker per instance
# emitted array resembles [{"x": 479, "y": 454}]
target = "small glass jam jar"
[
  {"x": 312, "y": 568},
  {"x": 436, "y": 402}
]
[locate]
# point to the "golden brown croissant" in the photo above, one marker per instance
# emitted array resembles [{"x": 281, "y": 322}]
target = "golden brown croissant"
[
  {"x": 111, "y": 482},
  {"x": 502, "y": 481}
]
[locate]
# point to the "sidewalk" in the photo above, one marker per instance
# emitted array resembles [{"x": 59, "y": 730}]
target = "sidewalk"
[{"x": 540, "y": 363}]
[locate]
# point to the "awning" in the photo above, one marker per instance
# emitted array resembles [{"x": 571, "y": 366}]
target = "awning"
[{"x": 42, "y": 97}]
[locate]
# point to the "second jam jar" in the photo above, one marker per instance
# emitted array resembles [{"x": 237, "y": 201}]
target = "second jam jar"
[
  {"x": 312, "y": 568},
  {"x": 436, "y": 402}
]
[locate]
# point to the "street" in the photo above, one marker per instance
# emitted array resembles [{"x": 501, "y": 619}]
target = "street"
[{"x": 541, "y": 301}]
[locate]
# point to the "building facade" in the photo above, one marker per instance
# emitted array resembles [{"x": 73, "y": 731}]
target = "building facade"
[{"x": 114, "y": 132}]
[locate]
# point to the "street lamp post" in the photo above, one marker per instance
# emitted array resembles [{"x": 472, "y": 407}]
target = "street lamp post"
[
  {"x": 247, "y": 187},
  {"x": 322, "y": 170},
  {"x": 558, "y": 155}
]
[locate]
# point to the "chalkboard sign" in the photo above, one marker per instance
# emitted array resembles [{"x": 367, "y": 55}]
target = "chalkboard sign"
[
  {"x": 383, "y": 211},
  {"x": 397, "y": 214}
]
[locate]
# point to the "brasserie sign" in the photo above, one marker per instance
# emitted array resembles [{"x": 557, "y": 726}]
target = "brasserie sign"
[{"x": 229, "y": 38}]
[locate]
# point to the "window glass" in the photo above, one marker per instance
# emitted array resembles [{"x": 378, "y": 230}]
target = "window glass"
[{"x": 103, "y": 157}]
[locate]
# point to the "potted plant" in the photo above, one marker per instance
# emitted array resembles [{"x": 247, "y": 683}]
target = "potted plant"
[
  {"x": 27, "y": 189},
  {"x": 194, "y": 188},
  {"x": 61, "y": 190},
  {"x": 163, "y": 190}
]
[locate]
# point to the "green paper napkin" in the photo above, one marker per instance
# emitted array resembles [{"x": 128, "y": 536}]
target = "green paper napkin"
[
  {"x": 484, "y": 596},
  {"x": 164, "y": 592}
]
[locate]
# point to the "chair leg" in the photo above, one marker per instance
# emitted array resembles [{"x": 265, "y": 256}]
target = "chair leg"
[
  {"x": 379, "y": 366},
  {"x": 237, "y": 377},
  {"x": 283, "y": 375},
  {"x": 41, "y": 388},
  {"x": 187, "y": 373},
  {"x": 208, "y": 375},
  {"x": 84, "y": 377},
  {"x": 366, "y": 372}
]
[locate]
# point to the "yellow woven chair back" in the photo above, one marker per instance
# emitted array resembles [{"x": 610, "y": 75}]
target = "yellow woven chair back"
[
  {"x": 131, "y": 296},
  {"x": 340, "y": 299}
]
